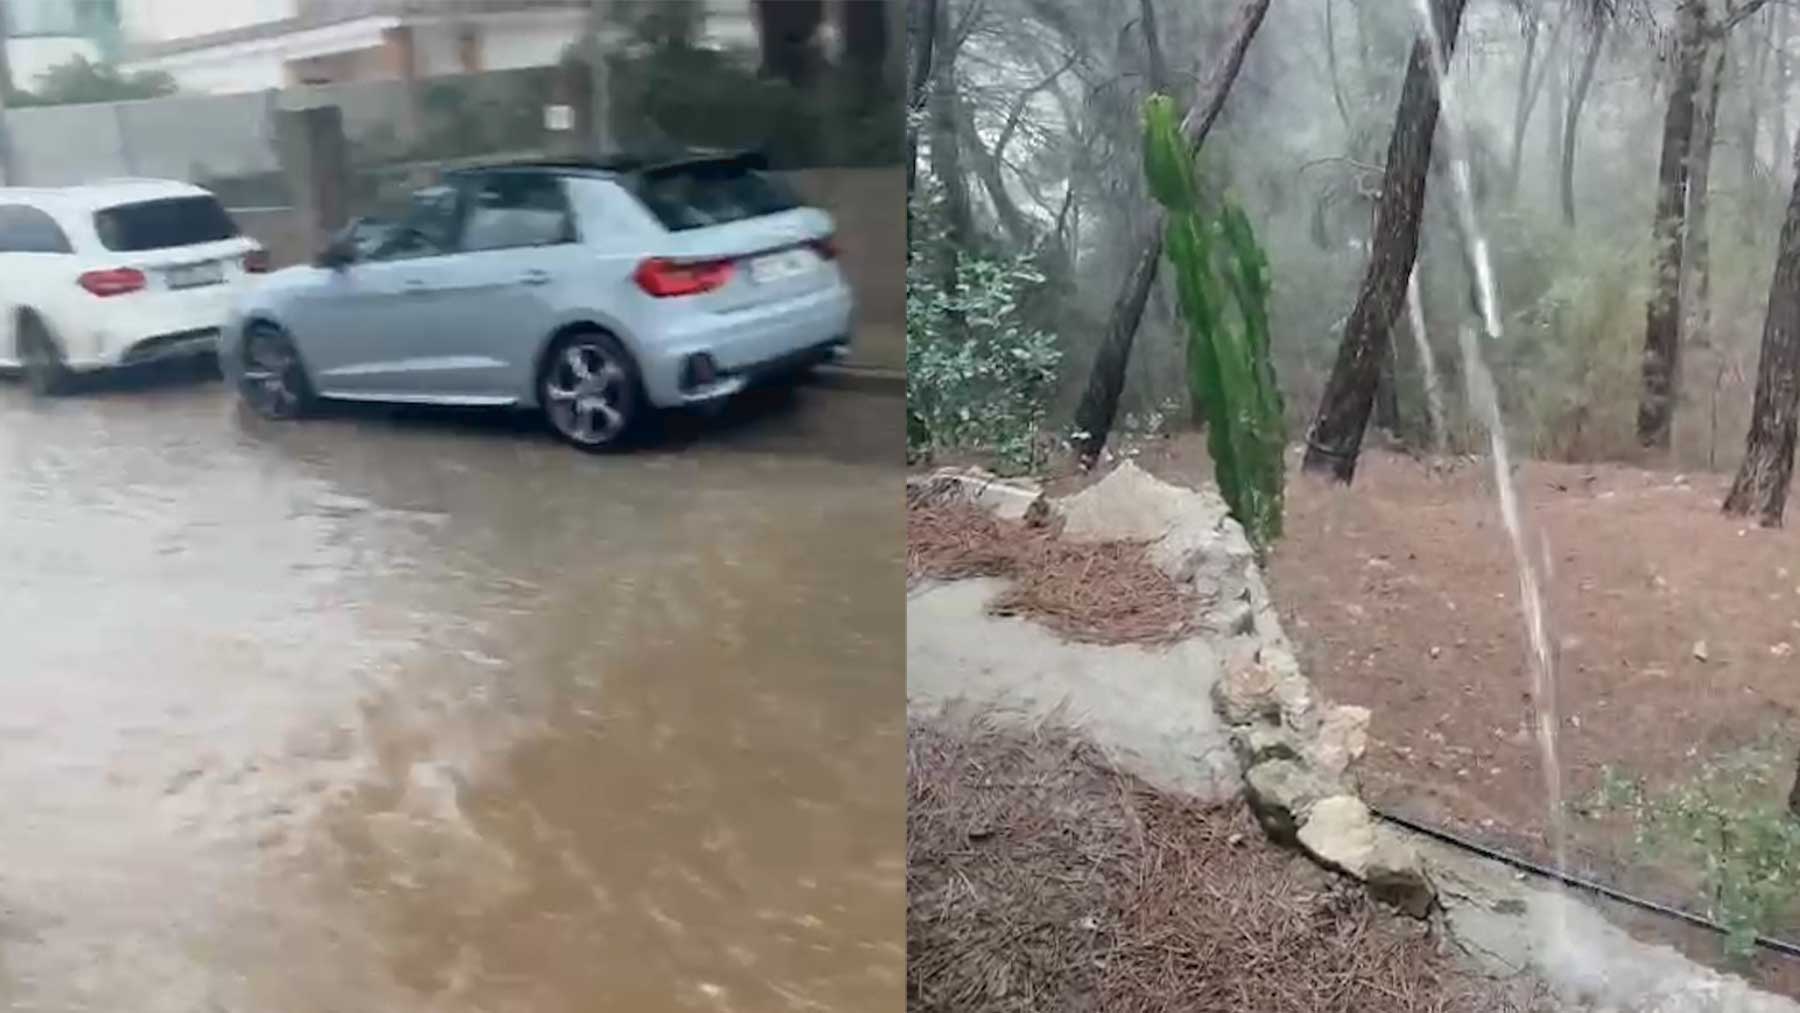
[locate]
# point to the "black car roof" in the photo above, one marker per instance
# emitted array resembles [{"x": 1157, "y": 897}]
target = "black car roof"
[{"x": 615, "y": 165}]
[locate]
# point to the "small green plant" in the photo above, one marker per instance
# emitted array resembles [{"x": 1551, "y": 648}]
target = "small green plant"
[
  {"x": 1728, "y": 822},
  {"x": 1219, "y": 266},
  {"x": 978, "y": 378}
]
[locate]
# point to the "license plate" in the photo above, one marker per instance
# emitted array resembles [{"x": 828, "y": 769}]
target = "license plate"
[
  {"x": 209, "y": 272},
  {"x": 776, "y": 266}
]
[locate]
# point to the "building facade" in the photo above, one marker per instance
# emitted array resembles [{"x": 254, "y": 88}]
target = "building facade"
[{"x": 251, "y": 45}]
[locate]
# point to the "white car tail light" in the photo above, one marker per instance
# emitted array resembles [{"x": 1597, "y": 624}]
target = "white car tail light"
[{"x": 112, "y": 281}]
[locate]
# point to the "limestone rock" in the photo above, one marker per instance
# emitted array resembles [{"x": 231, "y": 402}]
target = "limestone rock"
[
  {"x": 1266, "y": 742},
  {"x": 1282, "y": 793},
  {"x": 1396, "y": 874},
  {"x": 1246, "y": 694},
  {"x": 1233, "y": 618},
  {"x": 1342, "y": 736},
  {"x": 1294, "y": 698},
  {"x": 1192, "y": 537},
  {"x": 1279, "y": 660},
  {"x": 1341, "y": 832}
]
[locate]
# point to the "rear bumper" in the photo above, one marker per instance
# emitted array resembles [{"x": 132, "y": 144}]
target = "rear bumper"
[
  {"x": 150, "y": 330},
  {"x": 746, "y": 347}
]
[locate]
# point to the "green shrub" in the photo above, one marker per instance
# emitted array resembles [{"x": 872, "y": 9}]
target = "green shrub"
[
  {"x": 1729, "y": 823},
  {"x": 978, "y": 377}
]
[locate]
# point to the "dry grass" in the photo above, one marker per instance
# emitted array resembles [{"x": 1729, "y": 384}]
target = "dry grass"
[
  {"x": 1040, "y": 879},
  {"x": 1096, "y": 592}
]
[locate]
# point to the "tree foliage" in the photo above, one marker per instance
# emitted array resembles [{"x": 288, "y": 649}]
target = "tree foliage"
[{"x": 80, "y": 81}]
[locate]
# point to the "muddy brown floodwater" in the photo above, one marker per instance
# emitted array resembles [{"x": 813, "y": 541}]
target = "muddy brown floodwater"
[{"x": 431, "y": 713}]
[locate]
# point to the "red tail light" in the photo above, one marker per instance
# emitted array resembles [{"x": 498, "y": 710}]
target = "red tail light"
[
  {"x": 112, "y": 281},
  {"x": 826, "y": 247},
  {"x": 256, "y": 261},
  {"x": 664, "y": 278}
]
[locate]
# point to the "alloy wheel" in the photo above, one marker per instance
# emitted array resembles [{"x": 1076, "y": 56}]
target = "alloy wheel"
[
  {"x": 272, "y": 380},
  {"x": 588, "y": 393}
]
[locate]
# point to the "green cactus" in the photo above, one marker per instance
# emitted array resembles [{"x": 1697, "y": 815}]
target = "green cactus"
[{"x": 1222, "y": 280}]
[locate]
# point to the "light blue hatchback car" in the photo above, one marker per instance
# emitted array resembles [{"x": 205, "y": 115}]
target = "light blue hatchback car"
[{"x": 589, "y": 291}]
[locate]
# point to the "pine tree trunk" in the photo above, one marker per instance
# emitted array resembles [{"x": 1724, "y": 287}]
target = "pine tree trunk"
[
  {"x": 1337, "y": 431},
  {"x": 1106, "y": 380},
  {"x": 1697, "y": 297},
  {"x": 1768, "y": 465},
  {"x": 1751, "y": 136},
  {"x": 946, "y": 153},
  {"x": 1794, "y": 792},
  {"x": 1783, "y": 25},
  {"x": 922, "y": 28},
  {"x": 1662, "y": 316},
  {"x": 1522, "y": 101},
  {"x": 1554, "y": 101},
  {"x": 1387, "y": 393},
  {"x": 1572, "y": 122}
]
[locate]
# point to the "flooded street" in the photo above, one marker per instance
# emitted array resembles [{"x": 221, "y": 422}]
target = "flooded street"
[{"x": 432, "y": 713}]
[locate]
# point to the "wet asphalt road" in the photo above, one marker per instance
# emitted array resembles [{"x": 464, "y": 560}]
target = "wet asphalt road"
[{"x": 424, "y": 711}]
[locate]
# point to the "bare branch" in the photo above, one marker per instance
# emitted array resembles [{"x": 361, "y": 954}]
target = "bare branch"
[
  {"x": 1738, "y": 17},
  {"x": 1020, "y": 104},
  {"x": 1209, "y": 98}
]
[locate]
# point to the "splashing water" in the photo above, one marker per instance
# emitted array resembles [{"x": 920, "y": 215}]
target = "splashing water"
[
  {"x": 1434, "y": 395},
  {"x": 1484, "y": 398}
]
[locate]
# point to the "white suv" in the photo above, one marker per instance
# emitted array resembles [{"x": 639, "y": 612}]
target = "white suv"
[{"x": 113, "y": 274}]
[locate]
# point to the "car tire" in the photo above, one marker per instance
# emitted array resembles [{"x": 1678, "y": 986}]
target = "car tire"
[
  {"x": 271, "y": 379},
  {"x": 590, "y": 392},
  {"x": 46, "y": 373}
]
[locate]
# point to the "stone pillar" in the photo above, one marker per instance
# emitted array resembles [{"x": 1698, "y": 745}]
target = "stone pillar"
[
  {"x": 316, "y": 160},
  {"x": 402, "y": 58},
  {"x": 468, "y": 50}
]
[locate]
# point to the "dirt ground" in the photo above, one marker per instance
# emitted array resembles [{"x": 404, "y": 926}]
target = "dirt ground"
[
  {"x": 1040, "y": 879},
  {"x": 1676, "y": 633}
]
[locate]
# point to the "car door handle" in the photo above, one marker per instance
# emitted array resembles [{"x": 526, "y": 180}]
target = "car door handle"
[
  {"x": 413, "y": 286},
  {"x": 535, "y": 277}
]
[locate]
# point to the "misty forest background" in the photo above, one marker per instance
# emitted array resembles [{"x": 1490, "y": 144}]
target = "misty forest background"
[{"x": 1631, "y": 160}]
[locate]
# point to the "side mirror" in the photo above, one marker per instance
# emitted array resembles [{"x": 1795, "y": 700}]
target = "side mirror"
[{"x": 338, "y": 254}]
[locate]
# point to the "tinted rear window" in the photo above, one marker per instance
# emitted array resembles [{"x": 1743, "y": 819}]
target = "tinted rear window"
[
  {"x": 159, "y": 224},
  {"x": 701, "y": 194}
]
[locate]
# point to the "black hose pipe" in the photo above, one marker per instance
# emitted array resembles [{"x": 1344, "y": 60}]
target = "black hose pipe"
[{"x": 1780, "y": 946}]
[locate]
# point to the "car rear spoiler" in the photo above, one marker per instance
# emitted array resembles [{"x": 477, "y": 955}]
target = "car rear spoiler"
[{"x": 746, "y": 161}]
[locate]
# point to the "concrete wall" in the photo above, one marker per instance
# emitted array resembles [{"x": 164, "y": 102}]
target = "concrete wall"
[{"x": 179, "y": 137}]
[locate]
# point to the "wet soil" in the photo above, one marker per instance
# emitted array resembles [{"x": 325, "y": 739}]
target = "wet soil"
[{"x": 1401, "y": 594}]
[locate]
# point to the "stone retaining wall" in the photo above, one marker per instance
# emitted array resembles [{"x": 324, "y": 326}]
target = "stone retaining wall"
[{"x": 1296, "y": 751}]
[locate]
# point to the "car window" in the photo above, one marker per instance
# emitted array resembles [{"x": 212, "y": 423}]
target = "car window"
[
  {"x": 28, "y": 230},
  {"x": 427, "y": 229},
  {"x": 164, "y": 223},
  {"x": 698, "y": 194},
  {"x": 513, "y": 209}
]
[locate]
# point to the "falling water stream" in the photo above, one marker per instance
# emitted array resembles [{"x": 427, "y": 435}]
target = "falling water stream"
[
  {"x": 1484, "y": 399},
  {"x": 1434, "y": 395}
]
